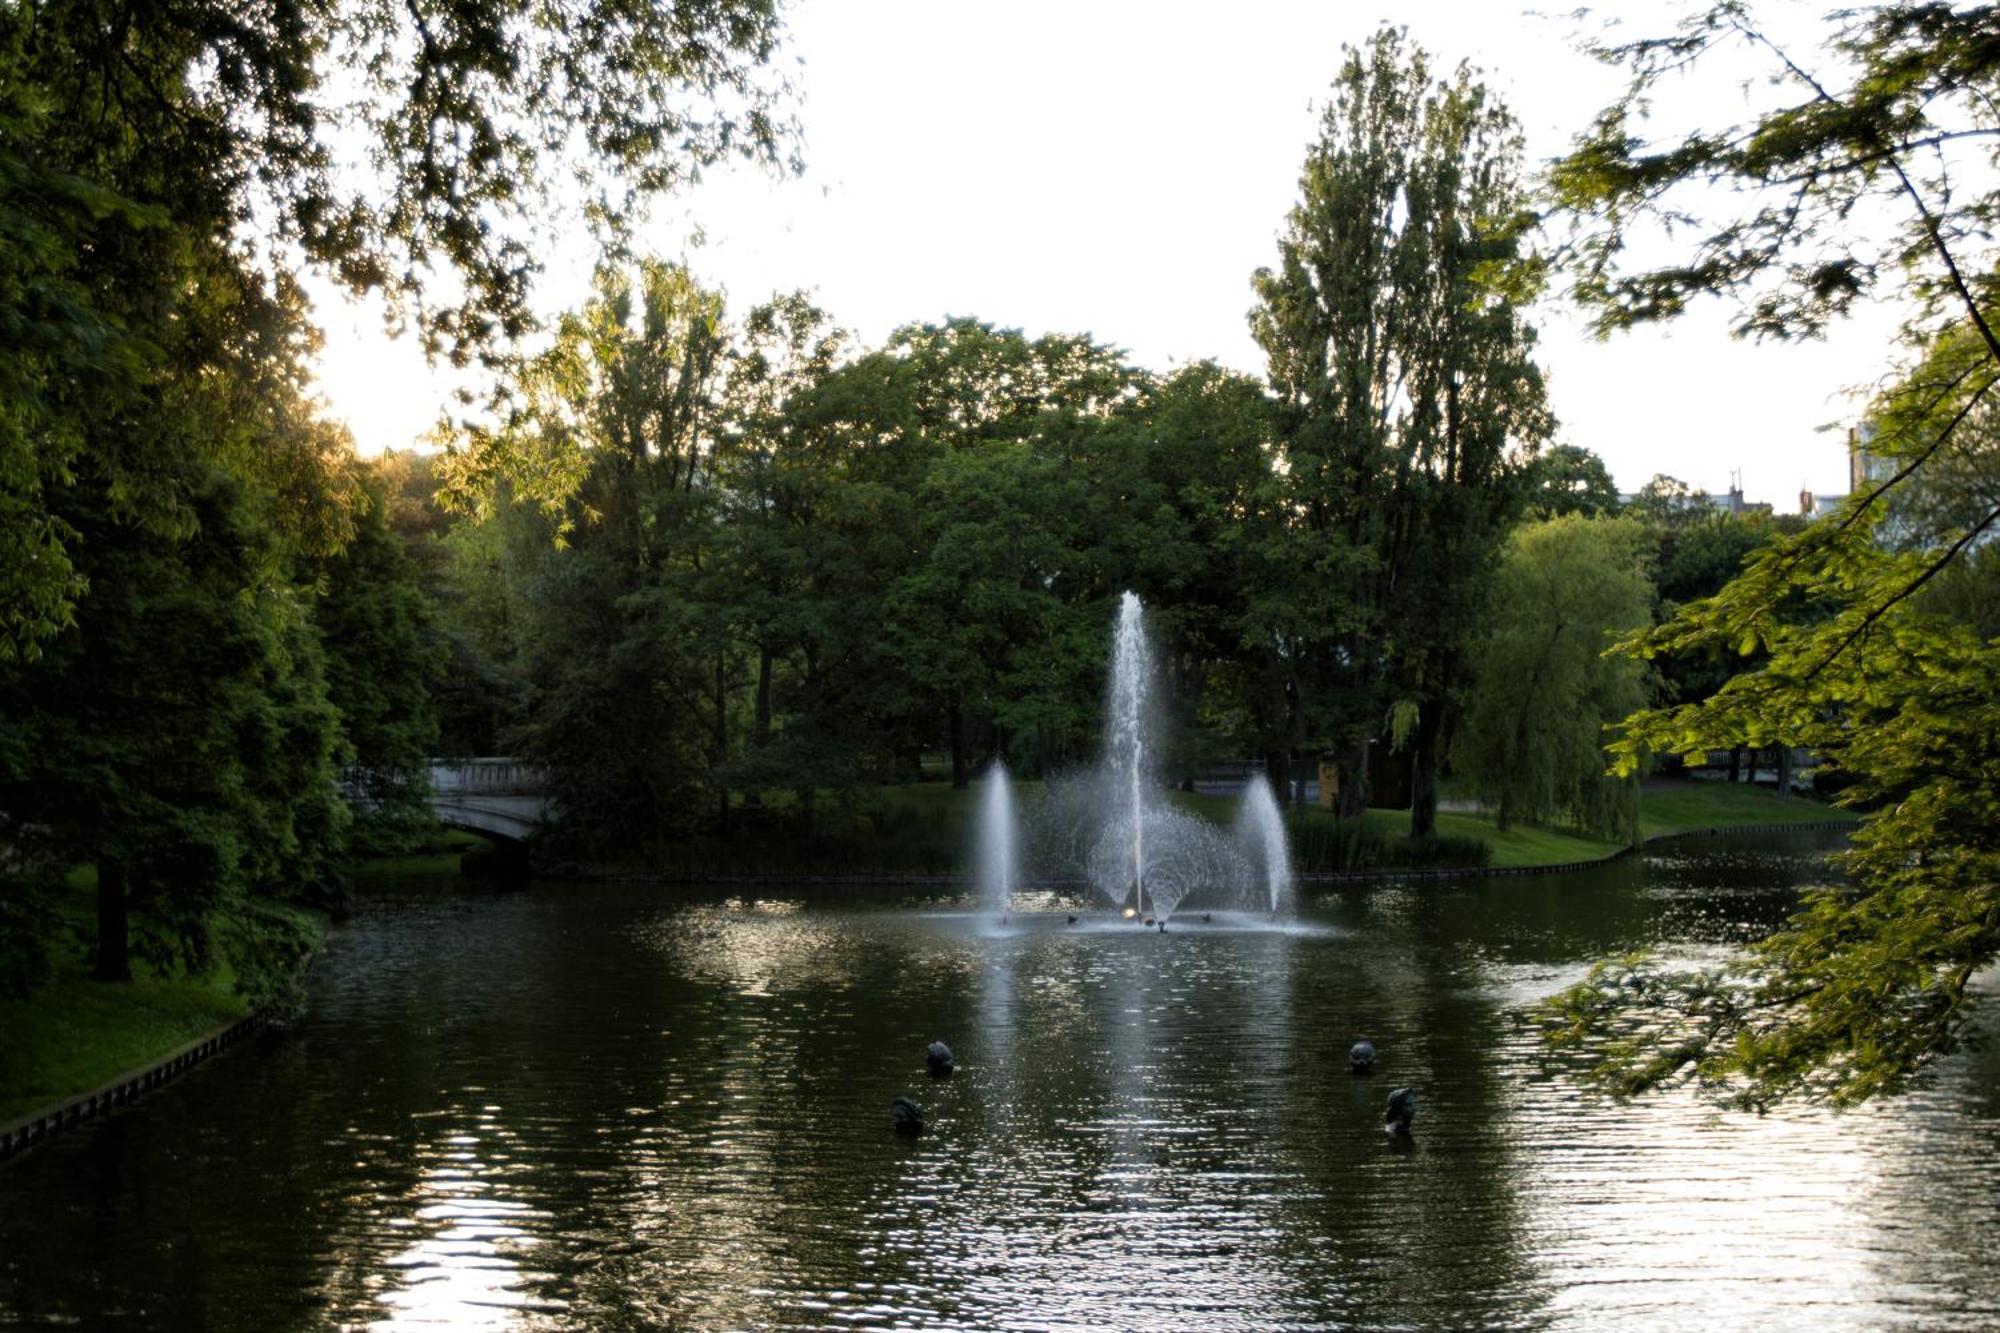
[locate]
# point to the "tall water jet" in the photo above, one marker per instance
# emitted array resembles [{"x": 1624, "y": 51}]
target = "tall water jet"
[
  {"x": 1261, "y": 826},
  {"x": 1131, "y": 683},
  {"x": 998, "y": 858}
]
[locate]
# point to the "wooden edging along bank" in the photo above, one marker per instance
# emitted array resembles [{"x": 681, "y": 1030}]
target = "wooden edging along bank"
[{"x": 128, "y": 1087}]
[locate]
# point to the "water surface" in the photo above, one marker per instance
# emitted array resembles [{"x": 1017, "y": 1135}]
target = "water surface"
[{"x": 628, "y": 1107}]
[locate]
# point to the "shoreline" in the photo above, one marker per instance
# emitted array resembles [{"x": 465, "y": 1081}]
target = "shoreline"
[
  {"x": 132, "y": 1085},
  {"x": 37, "y": 1127},
  {"x": 959, "y": 879}
]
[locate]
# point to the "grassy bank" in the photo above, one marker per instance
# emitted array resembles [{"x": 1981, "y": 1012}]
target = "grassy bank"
[
  {"x": 1692, "y": 806},
  {"x": 75, "y": 1034},
  {"x": 439, "y": 855}
]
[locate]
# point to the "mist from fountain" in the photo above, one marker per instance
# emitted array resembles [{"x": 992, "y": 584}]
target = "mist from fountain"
[{"x": 999, "y": 842}]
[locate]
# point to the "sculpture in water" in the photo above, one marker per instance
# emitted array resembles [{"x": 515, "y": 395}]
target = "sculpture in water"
[{"x": 1118, "y": 827}]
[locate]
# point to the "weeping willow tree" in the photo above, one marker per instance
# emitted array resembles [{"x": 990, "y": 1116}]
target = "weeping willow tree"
[{"x": 1533, "y": 738}]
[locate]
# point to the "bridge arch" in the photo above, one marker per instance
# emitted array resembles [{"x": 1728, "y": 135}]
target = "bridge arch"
[{"x": 496, "y": 797}]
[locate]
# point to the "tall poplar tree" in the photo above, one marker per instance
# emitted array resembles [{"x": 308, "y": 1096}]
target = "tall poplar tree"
[{"x": 1396, "y": 342}]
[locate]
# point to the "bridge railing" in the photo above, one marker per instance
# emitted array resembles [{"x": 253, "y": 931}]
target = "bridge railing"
[{"x": 490, "y": 776}]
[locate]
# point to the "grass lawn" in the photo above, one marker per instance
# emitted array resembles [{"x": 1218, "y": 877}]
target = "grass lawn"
[
  {"x": 1685, "y": 807},
  {"x": 76, "y": 1034},
  {"x": 1520, "y": 845},
  {"x": 440, "y": 857}
]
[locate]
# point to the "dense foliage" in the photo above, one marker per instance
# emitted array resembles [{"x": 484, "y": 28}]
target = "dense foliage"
[
  {"x": 1835, "y": 644},
  {"x": 1409, "y": 400},
  {"x": 205, "y": 626},
  {"x": 1545, "y": 692}
]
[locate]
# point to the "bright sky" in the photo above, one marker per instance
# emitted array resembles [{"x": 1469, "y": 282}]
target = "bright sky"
[{"x": 1119, "y": 167}]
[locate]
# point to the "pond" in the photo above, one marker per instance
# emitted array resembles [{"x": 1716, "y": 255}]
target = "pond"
[{"x": 633, "y": 1107}]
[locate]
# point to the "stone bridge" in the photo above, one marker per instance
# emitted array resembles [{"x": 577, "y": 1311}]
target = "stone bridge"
[{"x": 495, "y": 797}]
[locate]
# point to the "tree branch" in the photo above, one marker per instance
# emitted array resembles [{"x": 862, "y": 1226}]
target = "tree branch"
[{"x": 1931, "y": 571}]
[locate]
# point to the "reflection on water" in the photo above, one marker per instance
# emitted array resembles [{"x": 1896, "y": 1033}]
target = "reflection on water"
[
  {"x": 614, "y": 1107},
  {"x": 459, "y": 1270}
]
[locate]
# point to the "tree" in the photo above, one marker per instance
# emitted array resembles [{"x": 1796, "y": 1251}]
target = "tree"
[
  {"x": 808, "y": 550},
  {"x": 177, "y": 736},
  {"x": 1570, "y": 479},
  {"x": 1669, "y": 502},
  {"x": 1402, "y": 365},
  {"x": 624, "y": 670},
  {"x": 382, "y": 662},
  {"x": 992, "y": 419},
  {"x": 128, "y": 130},
  {"x": 1869, "y": 982},
  {"x": 1696, "y": 553},
  {"x": 1544, "y": 693},
  {"x": 1179, "y": 492}
]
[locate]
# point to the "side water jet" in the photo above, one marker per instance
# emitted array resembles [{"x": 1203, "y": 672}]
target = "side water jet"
[
  {"x": 997, "y": 847},
  {"x": 1261, "y": 826}
]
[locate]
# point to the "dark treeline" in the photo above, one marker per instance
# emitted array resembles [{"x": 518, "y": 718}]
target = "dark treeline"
[{"x": 728, "y": 556}]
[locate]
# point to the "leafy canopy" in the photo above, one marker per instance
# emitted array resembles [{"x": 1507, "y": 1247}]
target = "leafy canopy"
[{"x": 1890, "y": 117}]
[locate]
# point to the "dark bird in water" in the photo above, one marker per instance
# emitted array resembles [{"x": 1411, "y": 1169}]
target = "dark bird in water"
[
  {"x": 1072, "y": 921},
  {"x": 1163, "y": 926},
  {"x": 1206, "y": 918},
  {"x": 1149, "y": 921},
  {"x": 909, "y": 1117},
  {"x": 1402, "y": 1113},
  {"x": 1361, "y": 1058},
  {"x": 937, "y": 1058}
]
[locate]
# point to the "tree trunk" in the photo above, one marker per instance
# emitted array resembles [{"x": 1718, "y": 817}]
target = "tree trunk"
[
  {"x": 1278, "y": 772},
  {"x": 1423, "y": 769},
  {"x": 760, "y": 726},
  {"x": 1784, "y": 772},
  {"x": 1294, "y": 737},
  {"x": 114, "y": 951},
  {"x": 960, "y": 777},
  {"x": 1353, "y": 770},
  {"x": 721, "y": 740},
  {"x": 1735, "y": 763},
  {"x": 1754, "y": 753}
]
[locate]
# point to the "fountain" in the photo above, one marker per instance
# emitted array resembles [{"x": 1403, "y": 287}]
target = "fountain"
[
  {"x": 1117, "y": 826},
  {"x": 1150, "y": 854},
  {"x": 998, "y": 860}
]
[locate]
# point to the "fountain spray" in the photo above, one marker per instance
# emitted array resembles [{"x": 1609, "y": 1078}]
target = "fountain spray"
[
  {"x": 1131, "y": 677},
  {"x": 998, "y": 858}
]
